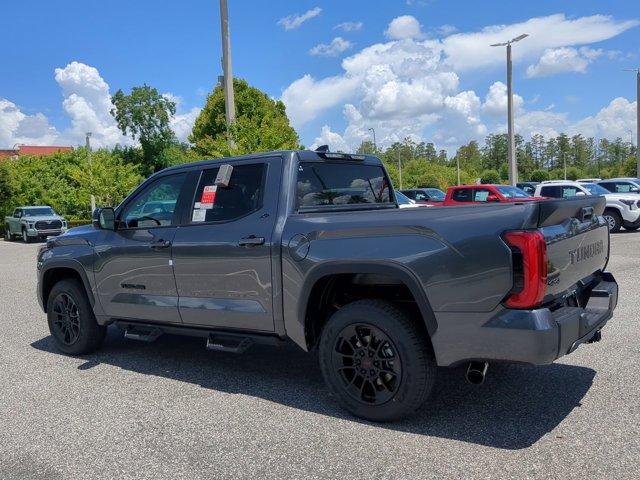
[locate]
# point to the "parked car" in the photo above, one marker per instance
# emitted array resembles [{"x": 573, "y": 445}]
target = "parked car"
[
  {"x": 528, "y": 187},
  {"x": 405, "y": 202},
  {"x": 621, "y": 185},
  {"x": 33, "y": 223},
  {"x": 309, "y": 247},
  {"x": 622, "y": 210},
  {"x": 588, "y": 180},
  {"x": 469, "y": 194},
  {"x": 428, "y": 195}
]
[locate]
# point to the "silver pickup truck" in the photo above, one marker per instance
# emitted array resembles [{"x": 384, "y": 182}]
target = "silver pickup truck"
[{"x": 33, "y": 223}]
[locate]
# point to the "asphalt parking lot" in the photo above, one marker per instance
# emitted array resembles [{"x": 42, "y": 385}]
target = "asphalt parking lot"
[{"x": 175, "y": 410}]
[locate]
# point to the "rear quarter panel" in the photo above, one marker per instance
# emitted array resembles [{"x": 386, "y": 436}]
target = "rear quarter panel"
[{"x": 455, "y": 253}]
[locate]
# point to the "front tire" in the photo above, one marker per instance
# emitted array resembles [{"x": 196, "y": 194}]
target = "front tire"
[
  {"x": 7, "y": 234},
  {"x": 71, "y": 320},
  {"x": 25, "y": 238},
  {"x": 614, "y": 220},
  {"x": 376, "y": 361},
  {"x": 632, "y": 229}
]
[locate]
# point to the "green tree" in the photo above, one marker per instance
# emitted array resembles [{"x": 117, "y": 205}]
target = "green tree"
[
  {"x": 144, "y": 115},
  {"x": 490, "y": 176},
  {"x": 6, "y": 190},
  {"x": 539, "y": 176},
  {"x": 261, "y": 124}
]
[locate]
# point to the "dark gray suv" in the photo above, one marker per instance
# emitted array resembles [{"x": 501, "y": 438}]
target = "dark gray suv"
[{"x": 311, "y": 247}]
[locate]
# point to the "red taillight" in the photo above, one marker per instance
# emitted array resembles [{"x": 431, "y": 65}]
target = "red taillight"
[{"x": 530, "y": 245}]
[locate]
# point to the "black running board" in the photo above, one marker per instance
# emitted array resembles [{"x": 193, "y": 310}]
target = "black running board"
[
  {"x": 217, "y": 340},
  {"x": 228, "y": 343},
  {"x": 142, "y": 334}
]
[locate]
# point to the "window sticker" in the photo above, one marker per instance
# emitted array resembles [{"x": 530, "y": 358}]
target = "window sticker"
[
  {"x": 209, "y": 195},
  {"x": 199, "y": 215}
]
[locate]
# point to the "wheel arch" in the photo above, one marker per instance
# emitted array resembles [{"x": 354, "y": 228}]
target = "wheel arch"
[
  {"x": 319, "y": 278},
  {"x": 60, "y": 270}
]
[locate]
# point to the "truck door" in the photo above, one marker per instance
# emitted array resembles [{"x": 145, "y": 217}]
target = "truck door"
[
  {"x": 222, "y": 257},
  {"x": 133, "y": 270}
]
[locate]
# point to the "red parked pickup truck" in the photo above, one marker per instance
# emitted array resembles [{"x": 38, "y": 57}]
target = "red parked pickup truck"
[{"x": 468, "y": 194}]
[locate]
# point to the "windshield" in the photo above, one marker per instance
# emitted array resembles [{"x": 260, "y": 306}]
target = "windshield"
[
  {"x": 38, "y": 212},
  {"x": 595, "y": 189},
  {"x": 512, "y": 192},
  {"x": 435, "y": 194},
  {"x": 402, "y": 199},
  {"x": 339, "y": 184}
]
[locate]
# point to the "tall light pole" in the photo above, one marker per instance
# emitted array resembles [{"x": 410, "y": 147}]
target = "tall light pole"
[
  {"x": 93, "y": 198},
  {"x": 227, "y": 83},
  {"x": 399, "y": 166},
  {"x": 637, "y": 70},
  {"x": 375, "y": 145},
  {"x": 513, "y": 165}
]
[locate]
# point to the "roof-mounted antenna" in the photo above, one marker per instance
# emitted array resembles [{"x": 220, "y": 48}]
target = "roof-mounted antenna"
[{"x": 322, "y": 148}]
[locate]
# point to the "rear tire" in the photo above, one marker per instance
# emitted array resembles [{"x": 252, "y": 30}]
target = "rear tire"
[
  {"x": 376, "y": 361},
  {"x": 71, "y": 320},
  {"x": 614, "y": 220}
]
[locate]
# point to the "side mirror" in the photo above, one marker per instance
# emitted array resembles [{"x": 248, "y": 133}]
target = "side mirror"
[
  {"x": 493, "y": 198},
  {"x": 580, "y": 193},
  {"x": 104, "y": 218},
  {"x": 635, "y": 190}
]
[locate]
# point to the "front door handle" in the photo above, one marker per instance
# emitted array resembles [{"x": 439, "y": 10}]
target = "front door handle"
[
  {"x": 251, "y": 241},
  {"x": 160, "y": 244}
]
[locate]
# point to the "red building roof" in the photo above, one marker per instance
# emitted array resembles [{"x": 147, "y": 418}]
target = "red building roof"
[{"x": 41, "y": 150}]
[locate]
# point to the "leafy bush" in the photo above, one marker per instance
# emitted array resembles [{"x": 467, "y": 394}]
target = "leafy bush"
[
  {"x": 490, "y": 176},
  {"x": 539, "y": 176}
]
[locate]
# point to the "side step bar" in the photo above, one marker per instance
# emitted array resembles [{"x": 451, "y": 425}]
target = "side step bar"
[
  {"x": 228, "y": 343},
  {"x": 142, "y": 334},
  {"x": 217, "y": 340}
]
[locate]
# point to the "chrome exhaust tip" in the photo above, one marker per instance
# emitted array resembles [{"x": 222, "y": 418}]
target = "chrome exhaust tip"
[{"x": 476, "y": 372}]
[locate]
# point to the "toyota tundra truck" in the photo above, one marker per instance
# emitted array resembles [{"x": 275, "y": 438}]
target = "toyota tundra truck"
[
  {"x": 33, "y": 223},
  {"x": 310, "y": 247}
]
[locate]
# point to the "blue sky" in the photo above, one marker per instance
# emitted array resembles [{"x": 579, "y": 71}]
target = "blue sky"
[{"x": 406, "y": 68}]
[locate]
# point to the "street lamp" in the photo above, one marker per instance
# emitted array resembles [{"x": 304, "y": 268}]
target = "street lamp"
[
  {"x": 93, "y": 197},
  {"x": 637, "y": 70},
  {"x": 513, "y": 166},
  {"x": 375, "y": 145}
]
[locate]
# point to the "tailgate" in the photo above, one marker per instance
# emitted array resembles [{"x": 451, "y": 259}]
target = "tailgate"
[{"x": 577, "y": 239}]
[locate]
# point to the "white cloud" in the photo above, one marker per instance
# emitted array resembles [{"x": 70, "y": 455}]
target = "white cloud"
[
  {"x": 403, "y": 27},
  {"x": 495, "y": 102},
  {"x": 87, "y": 102},
  {"x": 467, "y": 51},
  {"x": 18, "y": 127},
  {"x": 614, "y": 120},
  {"x": 331, "y": 138},
  {"x": 349, "y": 26},
  {"x": 446, "y": 29},
  {"x": 562, "y": 60},
  {"x": 333, "y": 49},
  {"x": 294, "y": 21}
]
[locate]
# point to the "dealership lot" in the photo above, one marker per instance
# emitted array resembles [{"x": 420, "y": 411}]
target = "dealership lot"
[{"x": 175, "y": 410}]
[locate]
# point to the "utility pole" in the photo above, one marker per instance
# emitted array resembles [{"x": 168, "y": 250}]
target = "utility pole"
[
  {"x": 458, "y": 167},
  {"x": 93, "y": 198},
  {"x": 513, "y": 165},
  {"x": 399, "y": 166},
  {"x": 229, "y": 101},
  {"x": 637, "y": 72},
  {"x": 375, "y": 145}
]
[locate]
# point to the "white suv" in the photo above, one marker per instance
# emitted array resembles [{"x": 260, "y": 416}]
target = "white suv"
[{"x": 622, "y": 210}]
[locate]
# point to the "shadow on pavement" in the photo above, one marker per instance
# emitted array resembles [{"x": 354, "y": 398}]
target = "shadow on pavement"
[{"x": 515, "y": 407}]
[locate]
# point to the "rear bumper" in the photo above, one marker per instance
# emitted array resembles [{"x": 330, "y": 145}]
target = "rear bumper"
[{"x": 535, "y": 337}]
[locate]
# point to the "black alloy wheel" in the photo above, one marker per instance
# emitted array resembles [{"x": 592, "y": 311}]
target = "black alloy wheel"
[
  {"x": 66, "y": 321},
  {"x": 368, "y": 364}
]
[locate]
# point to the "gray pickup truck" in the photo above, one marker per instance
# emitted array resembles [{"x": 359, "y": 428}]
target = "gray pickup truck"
[
  {"x": 311, "y": 247},
  {"x": 33, "y": 223}
]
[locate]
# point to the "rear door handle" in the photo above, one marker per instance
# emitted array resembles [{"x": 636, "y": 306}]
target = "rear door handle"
[
  {"x": 160, "y": 244},
  {"x": 251, "y": 241}
]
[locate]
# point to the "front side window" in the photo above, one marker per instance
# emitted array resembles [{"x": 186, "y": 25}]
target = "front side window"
[
  {"x": 338, "y": 184},
  {"x": 222, "y": 204},
  {"x": 625, "y": 187},
  {"x": 156, "y": 205},
  {"x": 462, "y": 195},
  {"x": 512, "y": 192},
  {"x": 569, "y": 192},
  {"x": 481, "y": 195}
]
